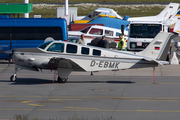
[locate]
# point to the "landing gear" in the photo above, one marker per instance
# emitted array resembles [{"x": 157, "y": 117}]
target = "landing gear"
[
  {"x": 13, "y": 78},
  {"x": 63, "y": 73},
  {"x": 62, "y": 80}
]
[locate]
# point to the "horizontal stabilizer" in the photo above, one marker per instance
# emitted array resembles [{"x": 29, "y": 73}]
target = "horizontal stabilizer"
[
  {"x": 6, "y": 52},
  {"x": 159, "y": 62}
]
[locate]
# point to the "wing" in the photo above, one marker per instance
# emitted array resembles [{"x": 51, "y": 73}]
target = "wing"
[
  {"x": 63, "y": 63},
  {"x": 81, "y": 63},
  {"x": 157, "y": 61}
]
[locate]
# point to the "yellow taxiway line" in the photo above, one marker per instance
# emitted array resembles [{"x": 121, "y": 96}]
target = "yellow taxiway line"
[{"x": 92, "y": 109}]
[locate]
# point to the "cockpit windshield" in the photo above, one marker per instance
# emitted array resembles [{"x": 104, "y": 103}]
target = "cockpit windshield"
[
  {"x": 44, "y": 45},
  {"x": 144, "y": 30},
  {"x": 85, "y": 30}
]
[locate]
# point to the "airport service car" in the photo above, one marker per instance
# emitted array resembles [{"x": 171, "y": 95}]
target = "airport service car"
[{"x": 94, "y": 31}]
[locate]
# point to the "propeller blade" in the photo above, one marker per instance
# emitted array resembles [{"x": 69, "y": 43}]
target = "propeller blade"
[
  {"x": 8, "y": 52},
  {"x": 9, "y": 59}
]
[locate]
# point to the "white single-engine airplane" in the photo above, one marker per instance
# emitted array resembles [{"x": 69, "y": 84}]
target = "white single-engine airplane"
[{"x": 66, "y": 57}]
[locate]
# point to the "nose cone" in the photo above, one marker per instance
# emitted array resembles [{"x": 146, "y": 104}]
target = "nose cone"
[
  {"x": 24, "y": 57},
  {"x": 18, "y": 59},
  {"x": 19, "y": 56}
]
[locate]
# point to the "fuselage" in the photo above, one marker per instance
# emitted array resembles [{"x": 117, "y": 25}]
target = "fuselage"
[{"x": 59, "y": 54}]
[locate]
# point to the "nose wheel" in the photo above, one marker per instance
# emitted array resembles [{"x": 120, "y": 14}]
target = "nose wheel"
[
  {"x": 13, "y": 78},
  {"x": 62, "y": 80}
]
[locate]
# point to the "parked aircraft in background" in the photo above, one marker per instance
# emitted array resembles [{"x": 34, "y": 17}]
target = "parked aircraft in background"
[
  {"x": 94, "y": 31},
  {"x": 66, "y": 57},
  {"x": 164, "y": 15},
  {"x": 173, "y": 19},
  {"x": 98, "y": 12},
  {"x": 177, "y": 26}
]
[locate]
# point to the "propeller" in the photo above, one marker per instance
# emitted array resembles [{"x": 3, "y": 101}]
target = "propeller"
[
  {"x": 122, "y": 29},
  {"x": 10, "y": 53}
]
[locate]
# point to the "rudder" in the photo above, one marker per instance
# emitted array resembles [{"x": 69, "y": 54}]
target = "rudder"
[{"x": 158, "y": 48}]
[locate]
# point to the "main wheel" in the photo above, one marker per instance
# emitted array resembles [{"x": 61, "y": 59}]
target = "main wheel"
[
  {"x": 62, "y": 80},
  {"x": 13, "y": 78}
]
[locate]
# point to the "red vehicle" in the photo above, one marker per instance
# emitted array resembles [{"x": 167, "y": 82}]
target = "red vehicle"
[{"x": 79, "y": 26}]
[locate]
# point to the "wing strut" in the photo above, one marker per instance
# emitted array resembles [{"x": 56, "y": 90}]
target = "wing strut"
[{"x": 55, "y": 73}]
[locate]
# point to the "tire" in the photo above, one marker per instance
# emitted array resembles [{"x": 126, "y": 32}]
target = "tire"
[
  {"x": 13, "y": 79},
  {"x": 62, "y": 80}
]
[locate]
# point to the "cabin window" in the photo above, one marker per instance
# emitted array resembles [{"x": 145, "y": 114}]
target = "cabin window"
[
  {"x": 56, "y": 47},
  {"x": 93, "y": 14},
  {"x": 96, "y": 52},
  {"x": 85, "y": 50},
  {"x": 71, "y": 48},
  {"x": 108, "y": 33},
  {"x": 96, "y": 31}
]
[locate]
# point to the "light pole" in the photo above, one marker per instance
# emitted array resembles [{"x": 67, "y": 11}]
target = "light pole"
[
  {"x": 66, "y": 12},
  {"x": 26, "y": 15}
]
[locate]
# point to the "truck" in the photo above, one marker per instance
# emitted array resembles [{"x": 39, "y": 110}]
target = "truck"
[{"x": 141, "y": 33}]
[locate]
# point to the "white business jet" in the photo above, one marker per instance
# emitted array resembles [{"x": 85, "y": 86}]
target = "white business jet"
[{"x": 66, "y": 57}]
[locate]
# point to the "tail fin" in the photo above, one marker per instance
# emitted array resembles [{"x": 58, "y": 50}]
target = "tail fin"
[
  {"x": 177, "y": 26},
  {"x": 158, "y": 48},
  {"x": 169, "y": 11},
  {"x": 178, "y": 13}
]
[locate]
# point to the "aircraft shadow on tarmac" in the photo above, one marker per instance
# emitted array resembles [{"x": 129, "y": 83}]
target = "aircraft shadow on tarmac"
[
  {"x": 34, "y": 81},
  {"x": 31, "y": 81},
  {"x": 6, "y": 62},
  {"x": 120, "y": 82}
]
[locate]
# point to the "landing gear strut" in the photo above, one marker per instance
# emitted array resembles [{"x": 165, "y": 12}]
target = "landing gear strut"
[{"x": 62, "y": 80}]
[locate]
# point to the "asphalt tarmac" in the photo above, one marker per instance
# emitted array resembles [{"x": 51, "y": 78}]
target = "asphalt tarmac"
[{"x": 109, "y": 95}]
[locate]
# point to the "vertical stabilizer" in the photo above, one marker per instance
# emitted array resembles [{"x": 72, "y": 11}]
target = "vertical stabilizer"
[
  {"x": 168, "y": 12},
  {"x": 178, "y": 13},
  {"x": 158, "y": 48},
  {"x": 177, "y": 27}
]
